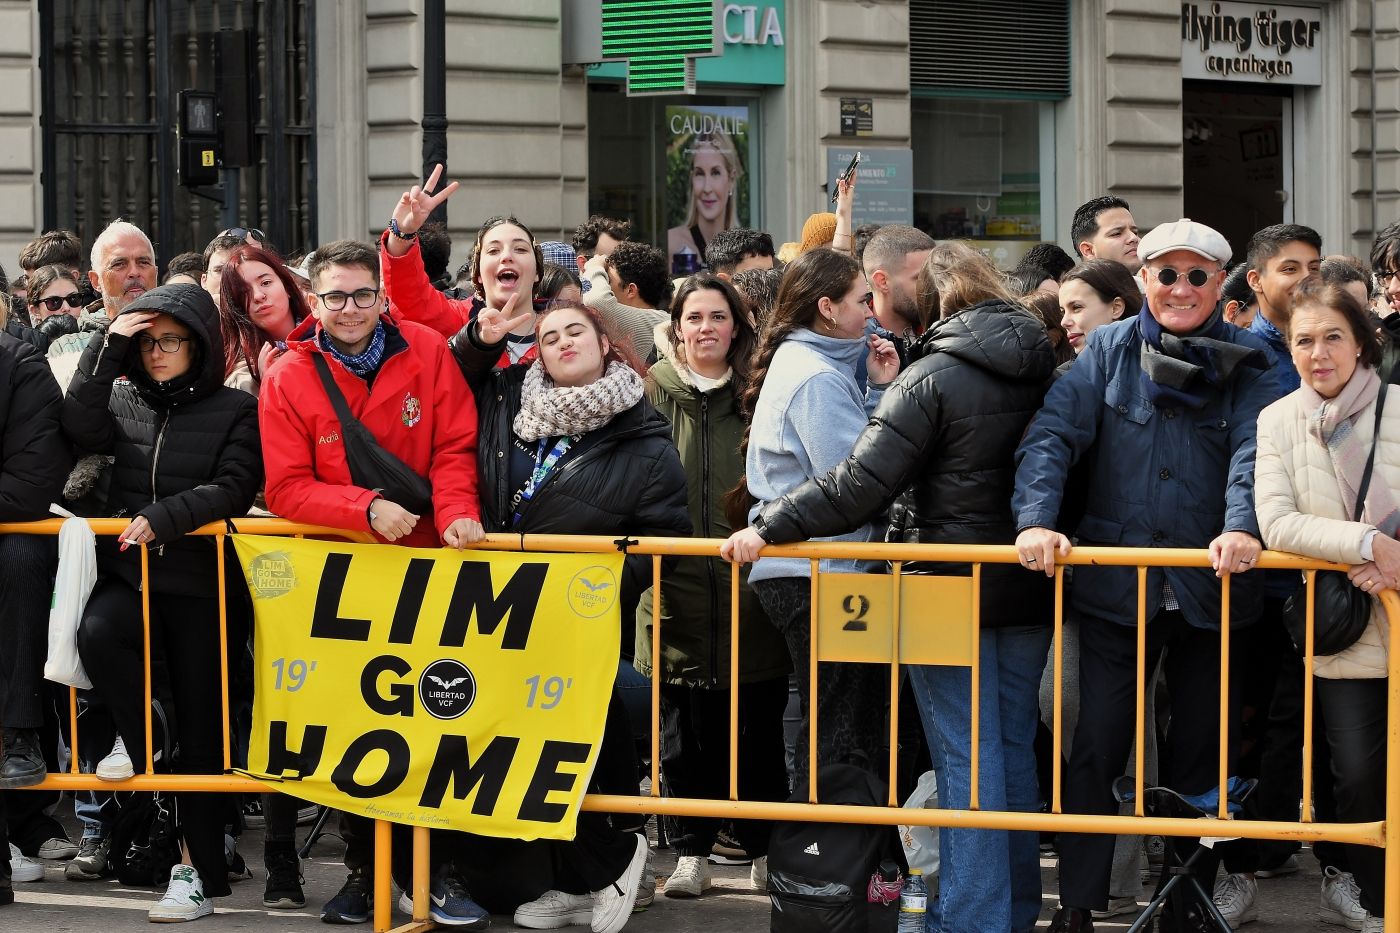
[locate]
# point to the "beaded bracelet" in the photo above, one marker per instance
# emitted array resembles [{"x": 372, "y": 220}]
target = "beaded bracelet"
[{"x": 394, "y": 229}]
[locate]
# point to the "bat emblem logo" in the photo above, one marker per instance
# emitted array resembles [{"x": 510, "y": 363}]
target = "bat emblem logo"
[{"x": 446, "y": 689}]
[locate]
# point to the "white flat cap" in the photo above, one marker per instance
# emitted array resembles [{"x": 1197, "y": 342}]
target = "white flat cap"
[{"x": 1188, "y": 235}]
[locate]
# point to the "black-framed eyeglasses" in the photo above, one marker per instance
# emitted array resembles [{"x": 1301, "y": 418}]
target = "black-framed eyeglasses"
[
  {"x": 1385, "y": 275},
  {"x": 363, "y": 298},
  {"x": 168, "y": 344},
  {"x": 54, "y": 302},
  {"x": 1196, "y": 278},
  {"x": 243, "y": 233}
]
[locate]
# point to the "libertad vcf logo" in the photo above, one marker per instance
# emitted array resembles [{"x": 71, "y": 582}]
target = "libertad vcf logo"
[{"x": 447, "y": 689}]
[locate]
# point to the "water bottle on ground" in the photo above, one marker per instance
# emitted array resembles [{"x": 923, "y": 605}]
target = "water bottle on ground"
[{"x": 913, "y": 902}]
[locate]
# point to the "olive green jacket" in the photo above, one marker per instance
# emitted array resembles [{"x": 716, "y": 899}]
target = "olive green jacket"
[{"x": 695, "y": 623}]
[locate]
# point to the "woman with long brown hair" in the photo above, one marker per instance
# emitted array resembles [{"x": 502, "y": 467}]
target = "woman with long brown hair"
[
  {"x": 938, "y": 453},
  {"x": 705, "y": 352},
  {"x": 805, "y": 411}
]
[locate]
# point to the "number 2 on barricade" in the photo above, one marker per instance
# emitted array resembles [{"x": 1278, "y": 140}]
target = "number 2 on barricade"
[{"x": 855, "y": 617}]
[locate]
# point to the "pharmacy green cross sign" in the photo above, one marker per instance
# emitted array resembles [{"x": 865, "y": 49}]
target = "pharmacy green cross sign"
[{"x": 660, "y": 40}]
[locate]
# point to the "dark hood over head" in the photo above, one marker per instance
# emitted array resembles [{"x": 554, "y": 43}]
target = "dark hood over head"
[{"x": 193, "y": 307}]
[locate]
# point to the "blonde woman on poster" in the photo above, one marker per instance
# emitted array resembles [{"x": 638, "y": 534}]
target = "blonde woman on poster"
[{"x": 715, "y": 170}]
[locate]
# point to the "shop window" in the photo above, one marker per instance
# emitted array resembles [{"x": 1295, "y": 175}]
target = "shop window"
[{"x": 978, "y": 167}]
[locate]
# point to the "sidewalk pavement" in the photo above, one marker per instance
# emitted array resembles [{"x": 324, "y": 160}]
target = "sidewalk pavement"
[{"x": 55, "y": 905}]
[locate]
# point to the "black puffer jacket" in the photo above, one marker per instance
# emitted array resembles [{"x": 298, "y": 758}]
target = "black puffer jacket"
[
  {"x": 187, "y": 452},
  {"x": 940, "y": 447},
  {"x": 34, "y": 457},
  {"x": 625, "y": 480}
]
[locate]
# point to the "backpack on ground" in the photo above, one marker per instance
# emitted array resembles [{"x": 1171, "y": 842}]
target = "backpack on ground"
[
  {"x": 819, "y": 873},
  {"x": 145, "y": 842}
]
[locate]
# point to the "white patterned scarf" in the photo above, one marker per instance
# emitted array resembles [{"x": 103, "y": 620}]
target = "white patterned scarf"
[{"x": 547, "y": 410}]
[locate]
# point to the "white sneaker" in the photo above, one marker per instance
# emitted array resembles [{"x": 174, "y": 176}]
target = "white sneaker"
[
  {"x": 1116, "y": 907},
  {"x": 1373, "y": 924},
  {"x": 1341, "y": 899},
  {"x": 1234, "y": 898},
  {"x": 22, "y": 867},
  {"x": 691, "y": 877},
  {"x": 613, "y": 904},
  {"x": 553, "y": 910},
  {"x": 117, "y": 765},
  {"x": 758, "y": 873},
  {"x": 184, "y": 899}
]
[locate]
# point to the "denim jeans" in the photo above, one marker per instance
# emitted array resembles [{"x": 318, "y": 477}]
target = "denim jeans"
[{"x": 988, "y": 880}]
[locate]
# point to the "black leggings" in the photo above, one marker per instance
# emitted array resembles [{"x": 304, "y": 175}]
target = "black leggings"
[
  {"x": 851, "y": 698},
  {"x": 1354, "y": 716},
  {"x": 185, "y": 631}
]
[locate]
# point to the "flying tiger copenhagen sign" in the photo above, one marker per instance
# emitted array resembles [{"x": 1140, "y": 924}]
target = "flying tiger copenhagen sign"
[{"x": 455, "y": 690}]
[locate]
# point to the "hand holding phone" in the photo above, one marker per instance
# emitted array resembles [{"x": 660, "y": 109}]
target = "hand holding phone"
[{"x": 845, "y": 176}]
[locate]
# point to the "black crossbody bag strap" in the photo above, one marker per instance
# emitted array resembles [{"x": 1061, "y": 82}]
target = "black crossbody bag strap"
[
  {"x": 342, "y": 408},
  {"x": 1370, "y": 460}
]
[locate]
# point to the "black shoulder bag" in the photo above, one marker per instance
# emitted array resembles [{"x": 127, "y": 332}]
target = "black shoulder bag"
[
  {"x": 371, "y": 466},
  {"x": 1341, "y": 612}
]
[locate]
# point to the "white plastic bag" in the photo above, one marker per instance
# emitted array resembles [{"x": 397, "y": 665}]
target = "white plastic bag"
[
  {"x": 77, "y": 572},
  {"x": 921, "y": 842}
]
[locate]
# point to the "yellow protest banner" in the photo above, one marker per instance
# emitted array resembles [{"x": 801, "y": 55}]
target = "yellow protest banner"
[{"x": 455, "y": 690}]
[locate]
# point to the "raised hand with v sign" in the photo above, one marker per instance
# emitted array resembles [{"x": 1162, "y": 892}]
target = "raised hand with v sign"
[
  {"x": 414, "y": 207},
  {"x": 492, "y": 325}
]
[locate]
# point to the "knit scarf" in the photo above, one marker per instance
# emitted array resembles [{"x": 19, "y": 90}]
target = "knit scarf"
[
  {"x": 365, "y": 362},
  {"x": 1332, "y": 423},
  {"x": 1184, "y": 371},
  {"x": 547, "y": 410}
]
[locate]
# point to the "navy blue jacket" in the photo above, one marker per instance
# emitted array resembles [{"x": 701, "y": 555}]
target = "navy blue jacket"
[{"x": 1158, "y": 477}]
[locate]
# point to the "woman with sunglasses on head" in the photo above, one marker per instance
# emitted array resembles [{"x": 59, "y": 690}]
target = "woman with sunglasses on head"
[
  {"x": 260, "y": 304},
  {"x": 506, "y": 261},
  {"x": 568, "y": 444},
  {"x": 804, "y": 411},
  {"x": 940, "y": 449},
  {"x": 187, "y": 453}
]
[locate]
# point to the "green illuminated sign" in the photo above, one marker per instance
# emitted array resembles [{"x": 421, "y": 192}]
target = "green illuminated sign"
[{"x": 659, "y": 40}]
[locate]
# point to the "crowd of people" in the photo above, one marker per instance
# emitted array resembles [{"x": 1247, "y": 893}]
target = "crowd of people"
[{"x": 871, "y": 385}]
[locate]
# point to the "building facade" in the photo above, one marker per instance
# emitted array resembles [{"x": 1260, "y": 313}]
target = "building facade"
[{"x": 990, "y": 122}]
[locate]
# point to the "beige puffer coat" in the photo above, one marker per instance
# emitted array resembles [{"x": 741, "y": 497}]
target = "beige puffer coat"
[{"x": 1299, "y": 505}]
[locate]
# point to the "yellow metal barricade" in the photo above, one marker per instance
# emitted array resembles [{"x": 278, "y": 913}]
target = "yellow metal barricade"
[{"x": 856, "y": 618}]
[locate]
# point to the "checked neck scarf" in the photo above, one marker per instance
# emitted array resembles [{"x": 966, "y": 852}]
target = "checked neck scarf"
[{"x": 1182, "y": 372}]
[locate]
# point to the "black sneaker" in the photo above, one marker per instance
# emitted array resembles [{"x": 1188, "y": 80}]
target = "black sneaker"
[
  {"x": 1071, "y": 920},
  {"x": 284, "y": 879},
  {"x": 353, "y": 901},
  {"x": 22, "y": 764}
]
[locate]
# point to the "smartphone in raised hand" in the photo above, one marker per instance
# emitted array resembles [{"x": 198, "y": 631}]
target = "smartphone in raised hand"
[{"x": 846, "y": 175}]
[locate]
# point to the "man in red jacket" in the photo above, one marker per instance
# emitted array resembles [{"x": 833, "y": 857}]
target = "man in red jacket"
[{"x": 399, "y": 380}]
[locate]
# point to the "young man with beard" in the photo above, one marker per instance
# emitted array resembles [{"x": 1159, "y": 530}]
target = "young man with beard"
[
  {"x": 1385, "y": 265},
  {"x": 892, "y": 261}
]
